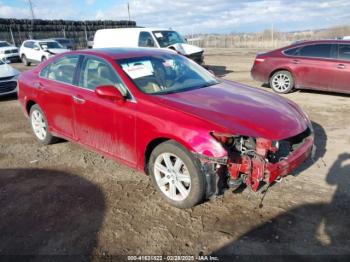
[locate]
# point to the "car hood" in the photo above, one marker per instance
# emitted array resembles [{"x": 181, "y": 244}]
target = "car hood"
[
  {"x": 7, "y": 71},
  {"x": 186, "y": 49},
  {"x": 57, "y": 50},
  {"x": 241, "y": 110},
  {"x": 8, "y": 48}
]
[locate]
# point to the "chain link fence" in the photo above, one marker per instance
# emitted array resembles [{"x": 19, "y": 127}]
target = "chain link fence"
[{"x": 267, "y": 39}]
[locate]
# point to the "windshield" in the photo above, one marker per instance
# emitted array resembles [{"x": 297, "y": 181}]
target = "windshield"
[
  {"x": 63, "y": 41},
  {"x": 166, "y": 73},
  {"x": 4, "y": 44},
  {"x": 166, "y": 38},
  {"x": 49, "y": 45}
]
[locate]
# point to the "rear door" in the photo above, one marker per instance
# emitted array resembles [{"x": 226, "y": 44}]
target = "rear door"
[
  {"x": 36, "y": 52},
  {"x": 55, "y": 86},
  {"x": 342, "y": 74},
  {"x": 104, "y": 124},
  {"x": 28, "y": 50},
  {"x": 314, "y": 66}
]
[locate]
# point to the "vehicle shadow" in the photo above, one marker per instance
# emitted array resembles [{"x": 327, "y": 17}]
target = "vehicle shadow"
[
  {"x": 49, "y": 212},
  {"x": 219, "y": 71},
  {"x": 311, "y": 229},
  {"x": 323, "y": 92},
  {"x": 320, "y": 92},
  {"x": 320, "y": 143},
  {"x": 8, "y": 97}
]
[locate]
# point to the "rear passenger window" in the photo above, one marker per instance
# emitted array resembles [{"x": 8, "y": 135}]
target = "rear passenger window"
[
  {"x": 344, "y": 52},
  {"x": 96, "y": 72},
  {"x": 62, "y": 69},
  {"x": 320, "y": 50},
  {"x": 292, "y": 51}
]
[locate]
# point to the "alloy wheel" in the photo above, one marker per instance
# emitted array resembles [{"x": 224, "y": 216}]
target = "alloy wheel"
[
  {"x": 281, "y": 82},
  {"x": 39, "y": 124},
  {"x": 172, "y": 176}
]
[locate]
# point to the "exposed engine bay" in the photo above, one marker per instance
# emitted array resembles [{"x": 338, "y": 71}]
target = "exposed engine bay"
[{"x": 249, "y": 161}]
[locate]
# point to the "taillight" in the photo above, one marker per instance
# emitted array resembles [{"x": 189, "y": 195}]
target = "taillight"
[{"x": 259, "y": 60}]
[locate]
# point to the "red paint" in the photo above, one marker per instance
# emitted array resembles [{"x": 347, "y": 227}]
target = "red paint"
[
  {"x": 327, "y": 74},
  {"x": 122, "y": 129}
]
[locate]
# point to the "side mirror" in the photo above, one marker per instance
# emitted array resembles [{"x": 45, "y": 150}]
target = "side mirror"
[
  {"x": 37, "y": 48},
  {"x": 109, "y": 92}
]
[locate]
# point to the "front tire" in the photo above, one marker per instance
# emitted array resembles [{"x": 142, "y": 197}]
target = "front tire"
[
  {"x": 43, "y": 59},
  {"x": 176, "y": 175},
  {"x": 40, "y": 127},
  {"x": 282, "y": 82}
]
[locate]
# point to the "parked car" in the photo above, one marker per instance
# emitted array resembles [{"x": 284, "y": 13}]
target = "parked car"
[
  {"x": 36, "y": 51},
  {"x": 66, "y": 43},
  {"x": 147, "y": 37},
  {"x": 8, "y": 52},
  {"x": 8, "y": 79},
  {"x": 319, "y": 65},
  {"x": 159, "y": 112}
]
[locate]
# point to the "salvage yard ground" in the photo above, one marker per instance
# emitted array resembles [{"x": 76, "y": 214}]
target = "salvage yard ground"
[{"x": 63, "y": 199}]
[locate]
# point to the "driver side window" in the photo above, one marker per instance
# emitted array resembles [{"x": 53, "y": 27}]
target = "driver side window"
[
  {"x": 146, "y": 40},
  {"x": 95, "y": 72}
]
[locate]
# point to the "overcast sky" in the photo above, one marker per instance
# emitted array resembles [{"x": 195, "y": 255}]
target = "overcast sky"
[{"x": 187, "y": 16}]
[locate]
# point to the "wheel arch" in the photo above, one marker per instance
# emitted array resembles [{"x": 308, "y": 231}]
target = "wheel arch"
[
  {"x": 29, "y": 105},
  {"x": 206, "y": 147},
  {"x": 149, "y": 148},
  {"x": 280, "y": 69}
]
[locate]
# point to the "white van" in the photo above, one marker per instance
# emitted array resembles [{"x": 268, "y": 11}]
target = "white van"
[{"x": 147, "y": 37}]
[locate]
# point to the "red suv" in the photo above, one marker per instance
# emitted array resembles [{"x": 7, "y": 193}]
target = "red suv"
[{"x": 318, "y": 65}]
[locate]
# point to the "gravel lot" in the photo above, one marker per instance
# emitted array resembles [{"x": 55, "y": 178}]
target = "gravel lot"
[{"x": 63, "y": 199}]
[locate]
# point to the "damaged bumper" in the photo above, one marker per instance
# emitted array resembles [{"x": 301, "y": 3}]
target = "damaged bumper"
[
  {"x": 292, "y": 161},
  {"x": 265, "y": 164}
]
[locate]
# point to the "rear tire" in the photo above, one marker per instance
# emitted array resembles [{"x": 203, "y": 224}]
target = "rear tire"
[
  {"x": 282, "y": 82},
  {"x": 176, "y": 175},
  {"x": 40, "y": 127},
  {"x": 25, "y": 61}
]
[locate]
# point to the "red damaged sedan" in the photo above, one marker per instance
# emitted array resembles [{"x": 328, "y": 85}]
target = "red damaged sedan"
[{"x": 157, "y": 111}]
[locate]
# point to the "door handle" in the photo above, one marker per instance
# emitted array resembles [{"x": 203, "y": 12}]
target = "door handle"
[
  {"x": 341, "y": 66},
  {"x": 78, "y": 100},
  {"x": 38, "y": 85},
  {"x": 295, "y": 61}
]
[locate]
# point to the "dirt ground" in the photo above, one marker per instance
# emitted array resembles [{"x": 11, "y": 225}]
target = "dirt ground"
[{"x": 63, "y": 199}]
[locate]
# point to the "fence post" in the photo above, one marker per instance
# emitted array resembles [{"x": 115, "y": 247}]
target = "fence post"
[{"x": 13, "y": 40}]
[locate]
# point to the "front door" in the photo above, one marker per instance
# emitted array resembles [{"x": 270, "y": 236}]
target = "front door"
[
  {"x": 342, "y": 74},
  {"x": 99, "y": 122}
]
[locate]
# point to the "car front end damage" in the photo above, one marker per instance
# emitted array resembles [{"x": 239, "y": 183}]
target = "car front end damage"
[{"x": 254, "y": 161}]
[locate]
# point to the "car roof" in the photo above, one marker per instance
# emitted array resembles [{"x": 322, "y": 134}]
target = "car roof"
[
  {"x": 124, "y": 52},
  {"x": 40, "y": 40},
  {"x": 140, "y": 29},
  {"x": 59, "y": 38},
  {"x": 335, "y": 41}
]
